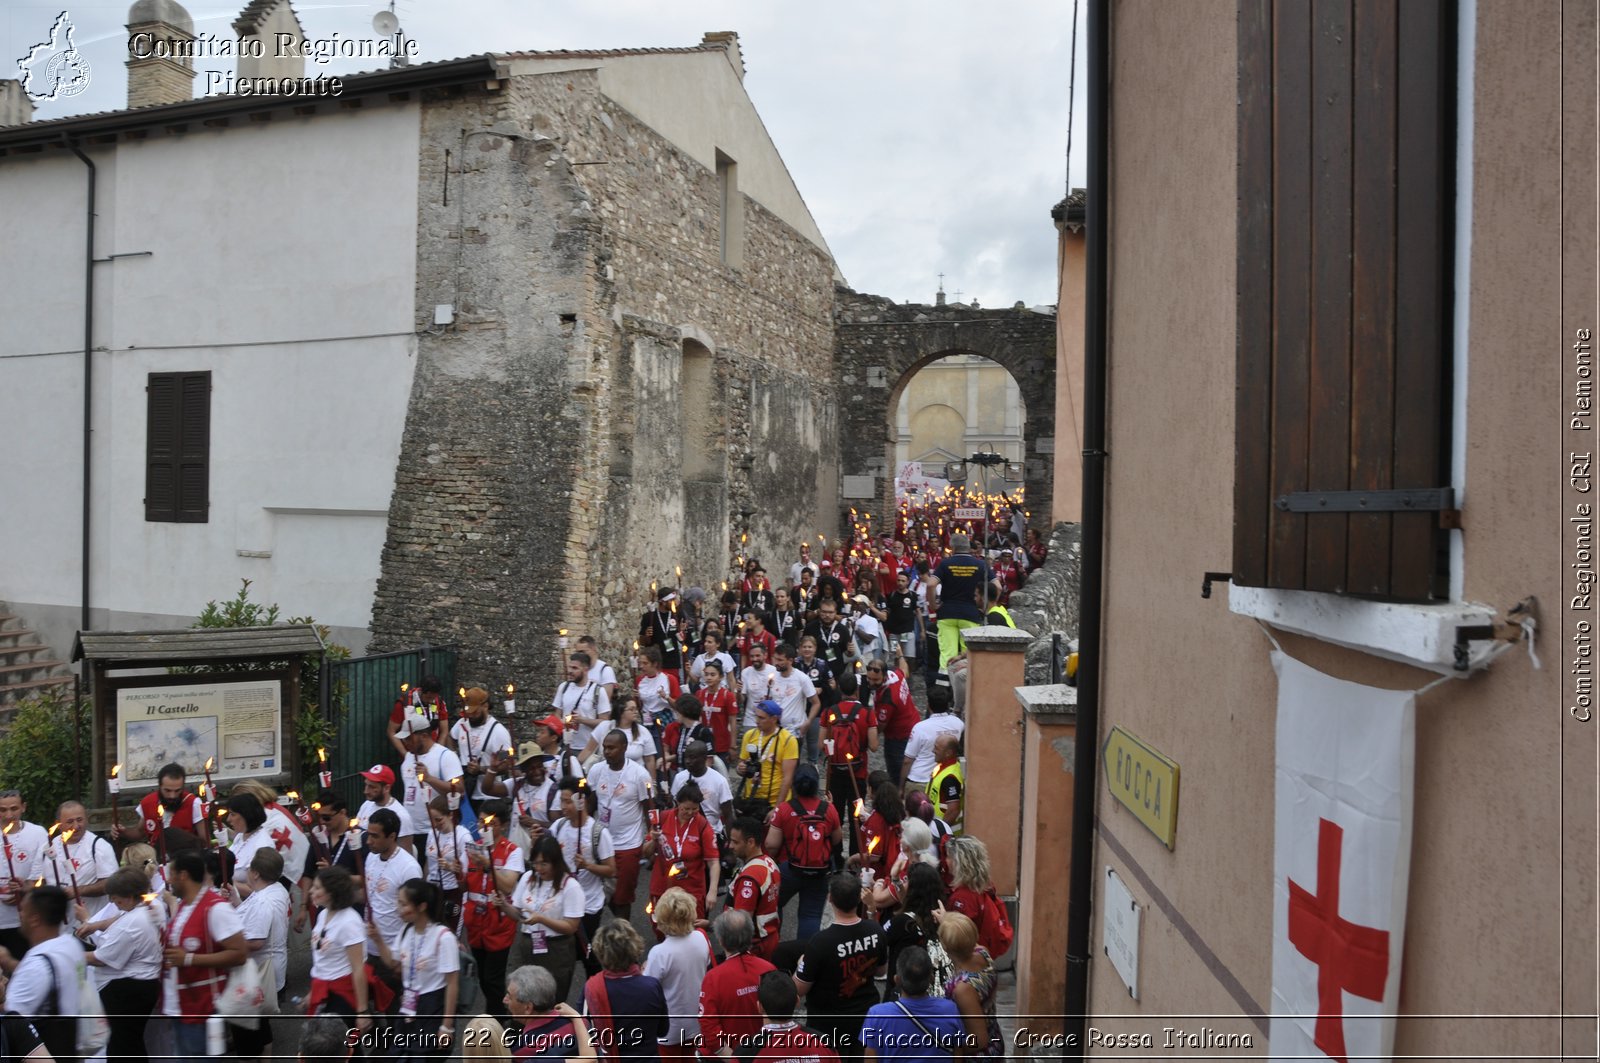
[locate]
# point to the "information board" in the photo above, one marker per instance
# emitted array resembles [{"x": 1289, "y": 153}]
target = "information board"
[{"x": 237, "y": 724}]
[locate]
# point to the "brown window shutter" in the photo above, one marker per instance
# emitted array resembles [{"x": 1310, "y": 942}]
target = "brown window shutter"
[
  {"x": 194, "y": 443},
  {"x": 161, "y": 447},
  {"x": 177, "y": 447},
  {"x": 1346, "y": 143}
]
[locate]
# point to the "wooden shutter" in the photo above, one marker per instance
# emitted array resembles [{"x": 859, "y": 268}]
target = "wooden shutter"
[
  {"x": 1346, "y": 154},
  {"x": 178, "y": 447}
]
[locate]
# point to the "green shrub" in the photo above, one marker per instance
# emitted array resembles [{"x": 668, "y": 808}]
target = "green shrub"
[
  {"x": 36, "y": 756},
  {"x": 311, "y": 728}
]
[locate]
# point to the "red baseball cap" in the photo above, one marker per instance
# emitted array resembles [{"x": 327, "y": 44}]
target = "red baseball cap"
[
  {"x": 553, "y": 722},
  {"x": 379, "y": 773}
]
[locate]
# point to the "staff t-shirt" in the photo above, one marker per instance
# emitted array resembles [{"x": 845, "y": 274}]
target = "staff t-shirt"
[
  {"x": 793, "y": 692},
  {"x": 364, "y": 815},
  {"x": 263, "y": 914},
  {"x": 640, "y": 745},
  {"x": 839, "y": 962},
  {"x": 961, "y": 577},
  {"x": 480, "y": 745},
  {"x": 595, "y": 849},
  {"x": 586, "y": 699}
]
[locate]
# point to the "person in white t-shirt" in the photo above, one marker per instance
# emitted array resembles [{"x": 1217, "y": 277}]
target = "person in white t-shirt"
[
  {"x": 581, "y": 701},
  {"x": 587, "y": 847},
  {"x": 26, "y": 846},
  {"x": 426, "y": 958},
  {"x": 549, "y": 903},
  {"x": 125, "y": 958},
  {"x": 247, "y": 819},
  {"x": 716, "y": 795},
  {"x": 920, "y": 753},
  {"x": 45, "y": 983},
  {"x": 712, "y": 651},
  {"x": 430, "y": 769},
  {"x": 204, "y": 942},
  {"x": 265, "y": 915},
  {"x": 642, "y": 748},
  {"x": 599, "y": 670},
  {"x": 379, "y": 792},
  {"x": 479, "y": 740},
  {"x": 679, "y": 962},
  {"x": 81, "y": 862},
  {"x": 755, "y": 683},
  {"x": 447, "y": 847},
  {"x": 338, "y": 953},
  {"x": 794, "y": 691},
  {"x": 624, "y": 791},
  {"x": 387, "y": 868}
]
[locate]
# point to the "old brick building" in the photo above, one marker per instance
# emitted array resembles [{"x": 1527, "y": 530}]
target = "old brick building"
[{"x": 640, "y": 325}]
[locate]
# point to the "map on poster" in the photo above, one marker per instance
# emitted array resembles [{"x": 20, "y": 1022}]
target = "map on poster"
[{"x": 238, "y": 724}]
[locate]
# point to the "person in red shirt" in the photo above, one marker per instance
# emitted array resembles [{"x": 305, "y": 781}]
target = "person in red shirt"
[
  {"x": 849, "y": 734},
  {"x": 805, "y": 836},
  {"x": 781, "y": 1039},
  {"x": 755, "y": 888},
  {"x": 492, "y": 870},
  {"x": 169, "y": 806},
  {"x": 753, "y": 632},
  {"x": 686, "y": 726},
  {"x": 718, "y": 706},
  {"x": 880, "y": 835},
  {"x": 730, "y": 1018},
  {"x": 896, "y": 713},
  {"x": 1010, "y": 574},
  {"x": 1034, "y": 549},
  {"x": 426, "y": 698},
  {"x": 682, "y": 849}
]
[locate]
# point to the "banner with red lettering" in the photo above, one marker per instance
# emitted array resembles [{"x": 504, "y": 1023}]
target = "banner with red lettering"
[{"x": 1341, "y": 863}]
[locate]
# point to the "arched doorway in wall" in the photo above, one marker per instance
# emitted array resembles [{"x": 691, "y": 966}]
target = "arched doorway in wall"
[{"x": 947, "y": 408}]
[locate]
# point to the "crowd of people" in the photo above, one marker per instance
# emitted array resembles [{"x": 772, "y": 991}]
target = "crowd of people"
[{"x": 730, "y": 772}]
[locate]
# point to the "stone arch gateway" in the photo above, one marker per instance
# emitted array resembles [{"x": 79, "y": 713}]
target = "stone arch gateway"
[{"x": 880, "y": 344}]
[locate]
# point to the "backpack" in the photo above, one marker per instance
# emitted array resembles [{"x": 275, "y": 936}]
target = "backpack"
[
  {"x": 846, "y": 738},
  {"x": 995, "y": 933},
  {"x": 608, "y": 883},
  {"x": 809, "y": 842}
]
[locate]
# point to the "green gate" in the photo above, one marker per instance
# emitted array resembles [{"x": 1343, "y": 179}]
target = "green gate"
[{"x": 368, "y": 688}]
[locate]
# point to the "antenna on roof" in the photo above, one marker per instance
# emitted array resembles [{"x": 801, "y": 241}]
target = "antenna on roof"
[{"x": 387, "y": 24}]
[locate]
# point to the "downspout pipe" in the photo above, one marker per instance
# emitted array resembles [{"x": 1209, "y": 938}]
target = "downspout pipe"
[
  {"x": 1086, "y": 748},
  {"x": 88, "y": 380}
]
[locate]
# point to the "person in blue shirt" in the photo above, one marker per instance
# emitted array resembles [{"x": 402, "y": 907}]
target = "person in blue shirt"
[{"x": 915, "y": 1026}]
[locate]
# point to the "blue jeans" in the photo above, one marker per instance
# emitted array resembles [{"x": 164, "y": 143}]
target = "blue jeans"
[
  {"x": 185, "y": 1040},
  {"x": 894, "y": 757},
  {"x": 813, "y": 891}
]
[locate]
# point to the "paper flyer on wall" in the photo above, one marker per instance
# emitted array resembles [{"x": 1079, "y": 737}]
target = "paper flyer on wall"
[{"x": 238, "y": 724}]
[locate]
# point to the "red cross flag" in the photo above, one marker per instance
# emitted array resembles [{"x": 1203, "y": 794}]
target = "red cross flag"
[
  {"x": 290, "y": 841},
  {"x": 1341, "y": 862}
]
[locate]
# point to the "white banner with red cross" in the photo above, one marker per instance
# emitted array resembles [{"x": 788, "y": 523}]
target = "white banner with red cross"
[{"x": 1341, "y": 864}]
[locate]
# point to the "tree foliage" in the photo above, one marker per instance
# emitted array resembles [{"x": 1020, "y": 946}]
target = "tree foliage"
[{"x": 37, "y": 753}]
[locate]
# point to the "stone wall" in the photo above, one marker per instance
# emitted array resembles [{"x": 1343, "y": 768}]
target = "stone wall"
[
  {"x": 494, "y": 499},
  {"x": 1049, "y": 602},
  {"x": 563, "y": 450},
  {"x": 880, "y": 344}
]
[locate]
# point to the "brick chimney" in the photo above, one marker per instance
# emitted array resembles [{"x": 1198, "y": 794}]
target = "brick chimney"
[
  {"x": 282, "y": 40},
  {"x": 160, "y": 63},
  {"x": 729, "y": 41},
  {"x": 15, "y": 107}
]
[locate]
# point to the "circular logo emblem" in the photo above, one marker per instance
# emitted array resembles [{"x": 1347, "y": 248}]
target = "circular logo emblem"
[{"x": 191, "y": 944}]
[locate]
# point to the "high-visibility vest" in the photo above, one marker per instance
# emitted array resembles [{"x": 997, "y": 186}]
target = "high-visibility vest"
[
  {"x": 943, "y": 773},
  {"x": 993, "y": 609}
]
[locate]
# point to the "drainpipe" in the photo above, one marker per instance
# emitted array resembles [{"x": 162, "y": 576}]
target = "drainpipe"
[
  {"x": 1085, "y": 754},
  {"x": 88, "y": 376}
]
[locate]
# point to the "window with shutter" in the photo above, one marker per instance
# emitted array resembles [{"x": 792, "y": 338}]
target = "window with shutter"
[
  {"x": 177, "y": 447},
  {"x": 1345, "y": 168}
]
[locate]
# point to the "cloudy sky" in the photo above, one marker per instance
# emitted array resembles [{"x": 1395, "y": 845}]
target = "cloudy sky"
[{"x": 926, "y": 137}]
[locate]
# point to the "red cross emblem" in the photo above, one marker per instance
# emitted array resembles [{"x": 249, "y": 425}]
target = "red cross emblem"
[
  {"x": 1351, "y": 959},
  {"x": 282, "y": 839}
]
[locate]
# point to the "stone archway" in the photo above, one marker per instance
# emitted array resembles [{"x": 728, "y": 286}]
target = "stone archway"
[{"x": 880, "y": 344}]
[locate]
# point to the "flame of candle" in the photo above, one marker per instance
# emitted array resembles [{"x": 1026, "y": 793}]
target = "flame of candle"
[
  {"x": 322, "y": 754},
  {"x": 649, "y": 909},
  {"x": 510, "y": 690},
  {"x": 461, "y": 692},
  {"x": 672, "y": 872},
  {"x": 872, "y": 846},
  {"x": 115, "y": 768},
  {"x": 54, "y": 827},
  {"x": 861, "y": 807},
  {"x": 39, "y": 885},
  {"x": 404, "y": 687},
  {"x": 210, "y": 763}
]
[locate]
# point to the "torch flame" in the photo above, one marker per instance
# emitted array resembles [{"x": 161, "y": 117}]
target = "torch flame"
[
  {"x": 322, "y": 754},
  {"x": 211, "y": 762},
  {"x": 510, "y": 689},
  {"x": 404, "y": 687},
  {"x": 673, "y": 872},
  {"x": 861, "y": 808},
  {"x": 115, "y": 768},
  {"x": 461, "y": 692},
  {"x": 54, "y": 827},
  {"x": 872, "y": 846},
  {"x": 649, "y": 909}
]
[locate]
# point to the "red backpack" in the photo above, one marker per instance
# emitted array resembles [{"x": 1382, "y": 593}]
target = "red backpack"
[
  {"x": 808, "y": 839},
  {"x": 846, "y": 738},
  {"x": 994, "y": 932}
]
